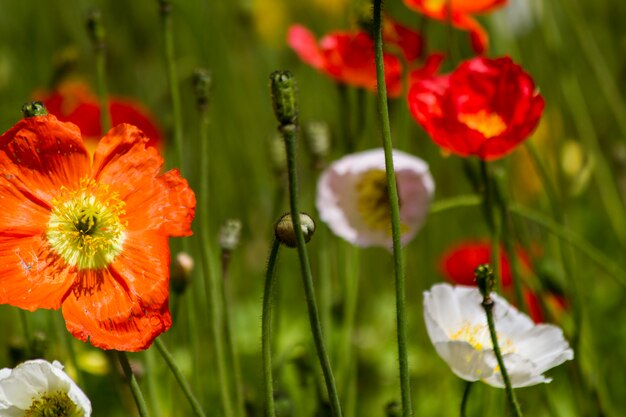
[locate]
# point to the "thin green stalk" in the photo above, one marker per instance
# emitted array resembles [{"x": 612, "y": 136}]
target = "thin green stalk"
[
  {"x": 59, "y": 323},
  {"x": 464, "y": 401},
  {"x": 28, "y": 339},
  {"x": 488, "y": 306},
  {"x": 351, "y": 296},
  {"x": 134, "y": 385},
  {"x": 172, "y": 76},
  {"x": 602, "y": 261},
  {"x": 97, "y": 35},
  {"x": 493, "y": 221},
  {"x": 405, "y": 386},
  {"x": 266, "y": 339},
  {"x": 169, "y": 359},
  {"x": 152, "y": 383},
  {"x": 443, "y": 205},
  {"x": 289, "y": 133}
]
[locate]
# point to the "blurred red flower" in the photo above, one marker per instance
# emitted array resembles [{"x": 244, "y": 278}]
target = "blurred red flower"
[
  {"x": 458, "y": 13},
  {"x": 348, "y": 56},
  {"x": 484, "y": 108},
  {"x": 73, "y": 101},
  {"x": 90, "y": 234},
  {"x": 461, "y": 260}
]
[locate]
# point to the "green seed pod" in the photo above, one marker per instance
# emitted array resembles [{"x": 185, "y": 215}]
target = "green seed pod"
[
  {"x": 283, "y": 89},
  {"x": 285, "y": 232},
  {"x": 34, "y": 108},
  {"x": 484, "y": 279}
]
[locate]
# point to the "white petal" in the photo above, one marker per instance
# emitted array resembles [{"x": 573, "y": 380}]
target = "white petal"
[
  {"x": 521, "y": 371},
  {"x": 465, "y": 361},
  {"x": 546, "y": 345}
]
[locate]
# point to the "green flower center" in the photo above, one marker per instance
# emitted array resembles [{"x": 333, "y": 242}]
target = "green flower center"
[
  {"x": 373, "y": 201},
  {"x": 55, "y": 404},
  {"x": 85, "y": 227}
]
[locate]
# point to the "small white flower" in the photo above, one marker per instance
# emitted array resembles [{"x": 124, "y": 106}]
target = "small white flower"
[
  {"x": 457, "y": 326},
  {"x": 37, "y": 386},
  {"x": 353, "y": 200}
]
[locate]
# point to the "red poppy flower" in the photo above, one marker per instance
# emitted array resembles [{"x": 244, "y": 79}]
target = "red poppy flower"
[
  {"x": 90, "y": 236},
  {"x": 484, "y": 108},
  {"x": 458, "y": 12},
  {"x": 555, "y": 303},
  {"x": 460, "y": 261},
  {"x": 73, "y": 101},
  {"x": 348, "y": 57}
]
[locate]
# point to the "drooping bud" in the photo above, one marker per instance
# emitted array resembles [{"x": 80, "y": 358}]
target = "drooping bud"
[
  {"x": 34, "y": 108},
  {"x": 283, "y": 89},
  {"x": 484, "y": 279},
  {"x": 182, "y": 267},
  {"x": 230, "y": 235},
  {"x": 286, "y": 233},
  {"x": 202, "y": 87},
  {"x": 317, "y": 136}
]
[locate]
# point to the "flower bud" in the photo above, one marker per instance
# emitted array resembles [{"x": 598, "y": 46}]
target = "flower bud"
[
  {"x": 95, "y": 28},
  {"x": 283, "y": 89},
  {"x": 230, "y": 235},
  {"x": 484, "y": 279},
  {"x": 285, "y": 232},
  {"x": 393, "y": 409},
  {"x": 202, "y": 86},
  {"x": 34, "y": 108},
  {"x": 182, "y": 267}
]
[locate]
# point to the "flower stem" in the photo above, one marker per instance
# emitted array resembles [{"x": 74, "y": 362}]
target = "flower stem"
[
  {"x": 289, "y": 134},
  {"x": 169, "y": 359},
  {"x": 97, "y": 35},
  {"x": 466, "y": 393},
  {"x": 134, "y": 385},
  {"x": 488, "y": 306},
  {"x": 407, "y": 408},
  {"x": 267, "y": 330},
  {"x": 28, "y": 340},
  {"x": 493, "y": 221},
  {"x": 172, "y": 75}
]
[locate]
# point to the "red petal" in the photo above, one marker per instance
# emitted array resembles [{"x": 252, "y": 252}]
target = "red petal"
[
  {"x": 303, "y": 42},
  {"x": 39, "y": 155},
  {"x": 31, "y": 276},
  {"x": 126, "y": 111},
  {"x": 103, "y": 311}
]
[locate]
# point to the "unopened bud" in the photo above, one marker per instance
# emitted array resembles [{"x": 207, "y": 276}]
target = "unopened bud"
[
  {"x": 34, "y": 108},
  {"x": 484, "y": 279},
  {"x": 286, "y": 233},
  {"x": 182, "y": 267},
  {"x": 317, "y": 135},
  {"x": 230, "y": 235},
  {"x": 283, "y": 89},
  {"x": 95, "y": 28},
  {"x": 202, "y": 87},
  {"x": 393, "y": 409}
]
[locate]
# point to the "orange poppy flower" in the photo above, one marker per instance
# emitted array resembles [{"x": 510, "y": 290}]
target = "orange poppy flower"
[
  {"x": 458, "y": 13},
  {"x": 90, "y": 236},
  {"x": 348, "y": 56},
  {"x": 73, "y": 101},
  {"x": 484, "y": 108}
]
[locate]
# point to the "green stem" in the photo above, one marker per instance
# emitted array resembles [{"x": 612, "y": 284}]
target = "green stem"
[
  {"x": 169, "y": 359},
  {"x": 134, "y": 385},
  {"x": 488, "y": 306},
  {"x": 289, "y": 134},
  {"x": 470, "y": 200},
  {"x": 493, "y": 221},
  {"x": 172, "y": 76},
  {"x": 267, "y": 330},
  {"x": 464, "y": 401},
  {"x": 28, "y": 340},
  {"x": 105, "y": 117},
  {"x": 59, "y": 323},
  {"x": 407, "y": 408}
]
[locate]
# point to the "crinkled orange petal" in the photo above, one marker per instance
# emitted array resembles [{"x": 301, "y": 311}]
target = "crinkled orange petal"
[
  {"x": 478, "y": 36},
  {"x": 123, "y": 160},
  {"x": 20, "y": 216},
  {"x": 438, "y": 9},
  {"x": 39, "y": 155},
  {"x": 127, "y": 111},
  {"x": 31, "y": 276},
  {"x": 103, "y": 311}
]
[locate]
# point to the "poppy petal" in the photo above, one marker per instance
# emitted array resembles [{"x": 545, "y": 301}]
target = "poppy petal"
[
  {"x": 40, "y": 155},
  {"x": 303, "y": 42},
  {"x": 31, "y": 276}
]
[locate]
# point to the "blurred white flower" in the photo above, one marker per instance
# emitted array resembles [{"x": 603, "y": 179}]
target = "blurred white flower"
[
  {"x": 37, "y": 388},
  {"x": 457, "y": 326},
  {"x": 353, "y": 200}
]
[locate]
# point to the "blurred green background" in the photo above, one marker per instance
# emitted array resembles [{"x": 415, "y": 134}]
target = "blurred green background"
[{"x": 575, "y": 52}]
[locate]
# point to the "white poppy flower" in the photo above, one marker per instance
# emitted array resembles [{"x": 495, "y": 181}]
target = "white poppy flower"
[
  {"x": 353, "y": 200},
  {"x": 457, "y": 326},
  {"x": 38, "y": 387}
]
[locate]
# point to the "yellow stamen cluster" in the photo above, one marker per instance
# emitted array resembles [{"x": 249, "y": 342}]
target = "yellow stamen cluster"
[
  {"x": 489, "y": 124},
  {"x": 373, "y": 200},
  {"x": 56, "y": 404},
  {"x": 85, "y": 227},
  {"x": 478, "y": 336}
]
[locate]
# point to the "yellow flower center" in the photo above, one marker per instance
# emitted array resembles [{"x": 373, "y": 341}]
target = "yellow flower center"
[
  {"x": 489, "y": 124},
  {"x": 478, "y": 336},
  {"x": 85, "y": 227},
  {"x": 56, "y": 404},
  {"x": 373, "y": 201}
]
